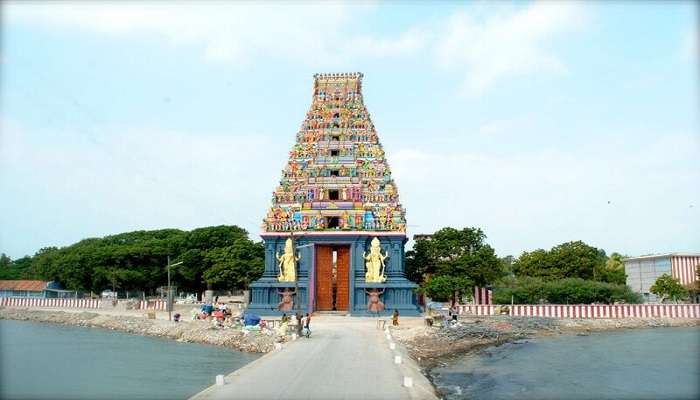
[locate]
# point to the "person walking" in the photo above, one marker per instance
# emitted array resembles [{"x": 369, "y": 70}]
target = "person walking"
[{"x": 395, "y": 317}]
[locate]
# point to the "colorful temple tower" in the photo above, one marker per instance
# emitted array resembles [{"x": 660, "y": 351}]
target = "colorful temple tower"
[{"x": 335, "y": 233}]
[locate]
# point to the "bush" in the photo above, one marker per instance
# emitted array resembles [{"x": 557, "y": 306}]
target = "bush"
[{"x": 564, "y": 291}]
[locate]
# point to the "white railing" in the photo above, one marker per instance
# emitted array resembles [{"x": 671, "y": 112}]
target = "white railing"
[{"x": 587, "y": 310}]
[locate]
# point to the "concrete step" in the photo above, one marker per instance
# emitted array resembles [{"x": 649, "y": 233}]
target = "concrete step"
[{"x": 339, "y": 313}]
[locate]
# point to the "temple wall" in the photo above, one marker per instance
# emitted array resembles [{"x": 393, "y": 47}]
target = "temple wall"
[{"x": 399, "y": 293}]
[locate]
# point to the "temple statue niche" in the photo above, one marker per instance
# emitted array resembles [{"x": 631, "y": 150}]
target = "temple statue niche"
[
  {"x": 374, "y": 304},
  {"x": 288, "y": 263},
  {"x": 287, "y": 302},
  {"x": 375, "y": 263}
]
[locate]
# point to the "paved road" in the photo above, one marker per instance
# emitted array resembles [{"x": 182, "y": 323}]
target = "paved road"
[{"x": 345, "y": 358}]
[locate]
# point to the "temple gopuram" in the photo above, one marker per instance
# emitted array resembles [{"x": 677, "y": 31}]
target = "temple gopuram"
[{"x": 335, "y": 232}]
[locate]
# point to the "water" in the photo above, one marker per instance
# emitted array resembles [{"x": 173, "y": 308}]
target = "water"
[
  {"x": 43, "y": 361},
  {"x": 637, "y": 364}
]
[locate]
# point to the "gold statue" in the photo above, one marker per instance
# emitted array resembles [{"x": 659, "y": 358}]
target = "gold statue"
[
  {"x": 287, "y": 263},
  {"x": 375, "y": 263}
]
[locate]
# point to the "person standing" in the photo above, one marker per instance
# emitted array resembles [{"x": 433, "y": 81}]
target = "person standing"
[
  {"x": 452, "y": 313},
  {"x": 299, "y": 326},
  {"x": 395, "y": 317},
  {"x": 306, "y": 323}
]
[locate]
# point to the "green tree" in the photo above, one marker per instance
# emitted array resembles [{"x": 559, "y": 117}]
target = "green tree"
[
  {"x": 444, "y": 287},
  {"x": 694, "y": 287},
  {"x": 214, "y": 237},
  {"x": 44, "y": 264},
  {"x": 14, "y": 269},
  {"x": 464, "y": 254},
  {"x": 137, "y": 260},
  {"x": 613, "y": 271},
  {"x": 453, "y": 261},
  {"x": 419, "y": 265},
  {"x": 535, "y": 264},
  {"x": 189, "y": 275},
  {"x": 7, "y": 270},
  {"x": 507, "y": 263},
  {"x": 5, "y": 261},
  {"x": 529, "y": 290},
  {"x": 235, "y": 266},
  {"x": 117, "y": 278},
  {"x": 567, "y": 260},
  {"x": 667, "y": 287}
]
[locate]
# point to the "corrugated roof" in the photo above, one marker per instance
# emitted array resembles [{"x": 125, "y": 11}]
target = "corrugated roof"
[
  {"x": 34, "y": 286},
  {"x": 652, "y": 256}
]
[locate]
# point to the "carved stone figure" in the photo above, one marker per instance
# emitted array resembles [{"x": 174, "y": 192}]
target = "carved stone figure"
[
  {"x": 287, "y": 303},
  {"x": 345, "y": 220},
  {"x": 374, "y": 305},
  {"x": 287, "y": 263},
  {"x": 375, "y": 263}
]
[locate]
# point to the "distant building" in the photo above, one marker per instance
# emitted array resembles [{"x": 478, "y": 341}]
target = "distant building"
[
  {"x": 422, "y": 236},
  {"x": 37, "y": 289},
  {"x": 643, "y": 271}
]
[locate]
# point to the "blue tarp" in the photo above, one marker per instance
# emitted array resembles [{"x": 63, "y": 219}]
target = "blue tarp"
[{"x": 251, "y": 319}]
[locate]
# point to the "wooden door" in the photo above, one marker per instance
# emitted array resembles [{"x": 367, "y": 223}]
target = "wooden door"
[
  {"x": 342, "y": 294},
  {"x": 324, "y": 278}
]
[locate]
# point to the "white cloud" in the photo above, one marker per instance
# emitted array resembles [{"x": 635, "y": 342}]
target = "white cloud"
[
  {"x": 406, "y": 43},
  {"x": 232, "y": 32},
  {"x": 540, "y": 199},
  {"x": 485, "y": 43},
  {"x": 489, "y": 47}
]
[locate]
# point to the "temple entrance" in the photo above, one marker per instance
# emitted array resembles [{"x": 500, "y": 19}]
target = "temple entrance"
[{"x": 332, "y": 278}]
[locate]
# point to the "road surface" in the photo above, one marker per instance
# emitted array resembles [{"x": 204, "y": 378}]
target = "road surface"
[{"x": 345, "y": 358}]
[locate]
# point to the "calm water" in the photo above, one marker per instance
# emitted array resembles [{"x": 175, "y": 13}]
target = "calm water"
[
  {"x": 637, "y": 364},
  {"x": 42, "y": 361}
]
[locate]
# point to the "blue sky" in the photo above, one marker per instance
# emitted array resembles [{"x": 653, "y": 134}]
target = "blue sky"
[{"x": 538, "y": 122}]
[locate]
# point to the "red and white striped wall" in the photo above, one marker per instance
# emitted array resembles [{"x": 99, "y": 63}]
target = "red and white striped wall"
[
  {"x": 589, "y": 310},
  {"x": 482, "y": 296},
  {"x": 158, "y": 305},
  {"x": 39, "y": 302},
  {"x": 683, "y": 268}
]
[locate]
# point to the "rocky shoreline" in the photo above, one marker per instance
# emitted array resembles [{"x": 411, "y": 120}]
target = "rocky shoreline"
[
  {"x": 186, "y": 331},
  {"x": 438, "y": 346}
]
